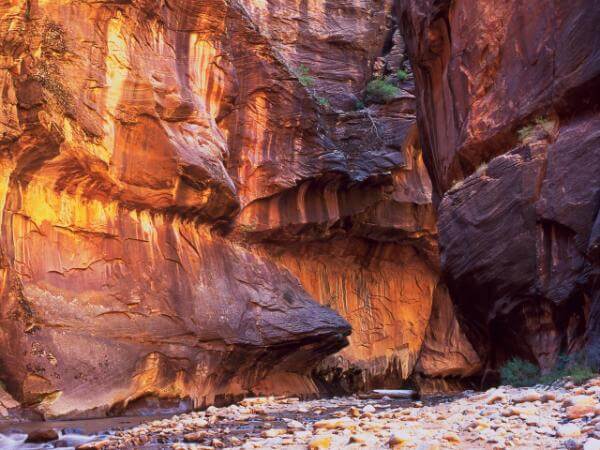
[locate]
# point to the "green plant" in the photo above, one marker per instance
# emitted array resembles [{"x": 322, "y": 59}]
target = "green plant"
[
  {"x": 402, "y": 75},
  {"x": 546, "y": 123},
  {"x": 359, "y": 105},
  {"x": 381, "y": 91},
  {"x": 322, "y": 101},
  {"x": 525, "y": 132},
  {"x": 519, "y": 373},
  {"x": 580, "y": 374},
  {"x": 302, "y": 73},
  {"x": 573, "y": 366},
  {"x": 541, "y": 123}
]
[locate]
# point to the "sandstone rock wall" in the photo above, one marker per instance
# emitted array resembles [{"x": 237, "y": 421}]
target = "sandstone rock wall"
[
  {"x": 507, "y": 95},
  {"x": 114, "y": 286},
  {"x": 184, "y": 182}
]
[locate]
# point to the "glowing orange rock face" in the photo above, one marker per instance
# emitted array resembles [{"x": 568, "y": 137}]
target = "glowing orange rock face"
[{"x": 178, "y": 204}]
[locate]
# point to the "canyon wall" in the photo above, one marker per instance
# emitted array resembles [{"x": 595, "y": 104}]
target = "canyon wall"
[
  {"x": 191, "y": 190},
  {"x": 508, "y": 102},
  {"x": 204, "y": 200}
]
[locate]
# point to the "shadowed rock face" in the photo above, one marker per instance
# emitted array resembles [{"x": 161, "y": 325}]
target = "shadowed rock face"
[
  {"x": 507, "y": 97},
  {"x": 485, "y": 70},
  {"x": 184, "y": 182}
]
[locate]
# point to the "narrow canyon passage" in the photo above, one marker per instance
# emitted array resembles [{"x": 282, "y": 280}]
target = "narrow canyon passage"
[{"x": 207, "y": 201}]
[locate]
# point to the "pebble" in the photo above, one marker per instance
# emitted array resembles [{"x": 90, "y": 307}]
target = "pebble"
[
  {"x": 572, "y": 444},
  {"x": 354, "y": 412},
  {"x": 527, "y": 396},
  {"x": 369, "y": 409},
  {"x": 568, "y": 430},
  {"x": 501, "y": 418},
  {"x": 548, "y": 397},
  {"x": 579, "y": 411},
  {"x": 364, "y": 438},
  {"x": 195, "y": 437},
  {"x": 295, "y": 425},
  {"x": 397, "y": 440},
  {"x": 236, "y": 442},
  {"x": 496, "y": 397},
  {"x": 273, "y": 432},
  {"x": 580, "y": 400},
  {"x": 592, "y": 444},
  {"x": 451, "y": 437},
  {"x": 320, "y": 443},
  {"x": 41, "y": 436},
  {"x": 333, "y": 424}
]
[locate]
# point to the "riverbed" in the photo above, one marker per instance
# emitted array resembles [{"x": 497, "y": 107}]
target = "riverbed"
[{"x": 543, "y": 417}]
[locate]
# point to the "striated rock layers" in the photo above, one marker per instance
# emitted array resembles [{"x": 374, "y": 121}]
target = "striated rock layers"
[
  {"x": 183, "y": 182},
  {"x": 508, "y": 97}
]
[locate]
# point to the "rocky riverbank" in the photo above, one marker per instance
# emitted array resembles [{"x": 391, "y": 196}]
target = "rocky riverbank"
[{"x": 563, "y": 415}]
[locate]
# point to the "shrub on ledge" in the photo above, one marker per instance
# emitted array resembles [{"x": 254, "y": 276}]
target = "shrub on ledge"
[{"x": 381, "y": 91}]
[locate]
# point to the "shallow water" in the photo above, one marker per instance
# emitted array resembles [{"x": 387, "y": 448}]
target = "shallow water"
[
  {"x": 77, "y": 432},
  {"x": 71, "y": 432},
  {"x": 16, "y": 441}
]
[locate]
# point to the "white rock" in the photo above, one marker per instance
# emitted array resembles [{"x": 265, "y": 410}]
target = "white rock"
[
  {"x": 294, "y": 425},
  {"x": 395, "y": 393},
  {"x": 580, "y": 400},
  {"x": 529, "y": 395},
  {"x": 368, "y": 409},
  {"x": 496, "y": 396},
  {"x": 398, "y": 439},
  {"x": 592, "y": 444},
  {"x": 568, "y": 430}
]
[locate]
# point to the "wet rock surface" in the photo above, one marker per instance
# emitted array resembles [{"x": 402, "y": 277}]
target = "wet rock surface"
[{"x": 501, "y": 418}]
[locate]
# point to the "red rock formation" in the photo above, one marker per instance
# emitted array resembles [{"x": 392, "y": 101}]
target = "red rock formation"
[
  {"x": 181, "y": 180},
  {"x": 114, "y": 287},
  {"x": 7, "y": 403},
  {"x": 355, "y": 225},
  {"x": 508, "y": 98},
  {"x": 446, "y": 352}
]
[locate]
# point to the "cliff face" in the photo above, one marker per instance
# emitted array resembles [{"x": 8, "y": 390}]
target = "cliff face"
[
  {"x": 184, "y": 182},
  {"x": 508, "y": 112},
  {"x": 201, "y": 200}
]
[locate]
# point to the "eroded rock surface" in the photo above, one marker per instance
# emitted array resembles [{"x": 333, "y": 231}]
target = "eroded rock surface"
[
  {"x": 184, "y": 182},
  {"x": 7, "y": 403},
  {"x": 508, "y": 112}
]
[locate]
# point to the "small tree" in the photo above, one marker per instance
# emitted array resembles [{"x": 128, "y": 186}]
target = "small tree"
[
  {"x": 322, "y": 101},
  {"x": 519, "y": 373},
  {"x": 302, "y": 73},
  {"x": 381, "y": 91}
]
